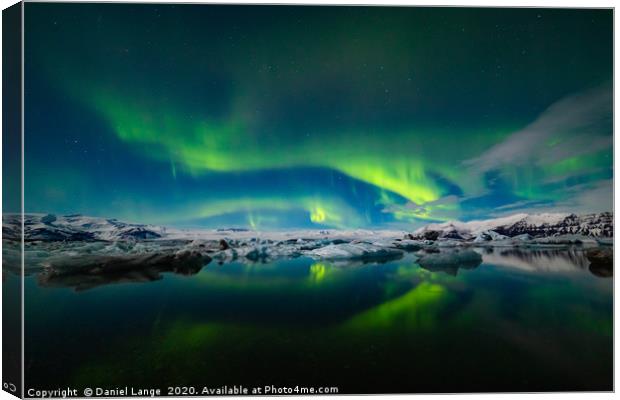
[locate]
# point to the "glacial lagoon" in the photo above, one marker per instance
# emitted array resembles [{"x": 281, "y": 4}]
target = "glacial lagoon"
[{"x": 521, "y": 320}]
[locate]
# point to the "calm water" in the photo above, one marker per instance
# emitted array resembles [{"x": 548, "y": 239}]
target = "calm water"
[{"x": 521, "y": 321}]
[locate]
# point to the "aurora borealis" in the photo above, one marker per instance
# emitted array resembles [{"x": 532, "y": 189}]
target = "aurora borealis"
[{"x": 274, "y": 117}]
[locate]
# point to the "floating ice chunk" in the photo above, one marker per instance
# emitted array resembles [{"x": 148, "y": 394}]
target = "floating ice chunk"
[
  {"x": 450, "y": 261},
  {"x": 409, "y": 244},
  {"x": 350, "y": 251},
  {"x": 602, "y": 256}
]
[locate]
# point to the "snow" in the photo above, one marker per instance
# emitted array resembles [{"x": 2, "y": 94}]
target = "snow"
[{"x": 354, "y": 251}]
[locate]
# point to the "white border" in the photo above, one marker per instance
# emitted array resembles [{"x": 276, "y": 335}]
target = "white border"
[{"x": 479, "y": 3}]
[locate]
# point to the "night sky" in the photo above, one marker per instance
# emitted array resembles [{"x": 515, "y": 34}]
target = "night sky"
[{"x": 328, "y": 117}]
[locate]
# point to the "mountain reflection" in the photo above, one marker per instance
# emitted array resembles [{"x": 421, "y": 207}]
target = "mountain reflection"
[{"x": 539, "y": 260}]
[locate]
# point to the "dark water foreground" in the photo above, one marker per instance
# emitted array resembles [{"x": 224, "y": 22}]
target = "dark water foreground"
[{"x": 520, "y": 321}]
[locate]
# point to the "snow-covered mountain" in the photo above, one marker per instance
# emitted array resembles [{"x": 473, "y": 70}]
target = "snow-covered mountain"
[
  {"x": 52, "y": 228},
  {"x": 76, "y": 227},
  {"x": 80, "y": 228},
  {"x": 535, "y": 225}
]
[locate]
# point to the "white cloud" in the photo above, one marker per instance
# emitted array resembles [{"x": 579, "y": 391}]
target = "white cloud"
[
  {"x": 576, "y": 125},
  {"x": 580, "y": 199}
]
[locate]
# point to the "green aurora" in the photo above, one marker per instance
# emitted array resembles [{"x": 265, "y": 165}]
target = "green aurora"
[{"x": 345, "y": 117}]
